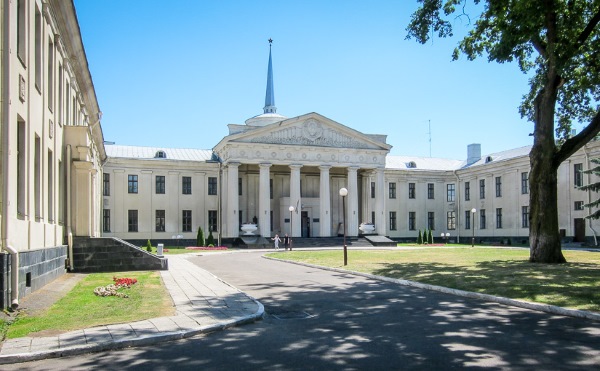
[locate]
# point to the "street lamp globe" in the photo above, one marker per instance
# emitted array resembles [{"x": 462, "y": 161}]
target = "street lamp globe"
[
  {"x": 291, "y": 209},
  {"x": 343, "y": 192}
]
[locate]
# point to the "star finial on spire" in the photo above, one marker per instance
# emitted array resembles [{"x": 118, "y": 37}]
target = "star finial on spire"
[{"x": 270, "y": 41}]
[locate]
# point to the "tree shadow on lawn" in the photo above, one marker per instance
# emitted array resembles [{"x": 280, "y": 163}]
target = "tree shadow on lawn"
[{"x": 573, "y": 285}]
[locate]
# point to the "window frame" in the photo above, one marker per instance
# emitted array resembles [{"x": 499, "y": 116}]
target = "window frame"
[
  {"x": 412, "y": 190},
  {"x": 212, "y": 186},
  {"x": 430, "y": 191},
  {"x": 132, "y": 184},
  {"x": 392, "y": 190},
  {"x": 186, "y": 220},
  {"x": 186, "y": 185},
  {"x": 132, "y": 221},
  {"x": 450, "y": 192},
  {"x": 160, "y": 184},
  {"x": 160, "y": 220}
]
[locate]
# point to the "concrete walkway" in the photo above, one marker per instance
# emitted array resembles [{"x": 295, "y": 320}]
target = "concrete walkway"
[{"x": 203, "y": 304}]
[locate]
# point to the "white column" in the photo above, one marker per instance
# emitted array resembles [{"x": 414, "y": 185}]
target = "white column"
[
  {"x": 352, "y": 212},
  {"x": 264, "y": 201},
  {"x": 234, "y": 201},
  {"x": 381, "y": 220},
  {"x": 296, "y": 200},
  {"x": 325, "y": 203}
]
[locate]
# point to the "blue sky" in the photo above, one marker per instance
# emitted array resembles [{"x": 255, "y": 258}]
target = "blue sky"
[{"x": 175, "y": 73}]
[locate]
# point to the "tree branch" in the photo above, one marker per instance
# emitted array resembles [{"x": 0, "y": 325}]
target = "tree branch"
[
  {"x": 573, "y": 144},
  {"x": 588, "y": 30},
  {"x": 539, "y": 46}
]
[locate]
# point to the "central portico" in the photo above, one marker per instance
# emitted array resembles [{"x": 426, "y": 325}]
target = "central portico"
[{"x": 300, "y": 162}]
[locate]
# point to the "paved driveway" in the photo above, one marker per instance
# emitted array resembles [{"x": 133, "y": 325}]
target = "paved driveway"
[{"x": 325, "y": 320}]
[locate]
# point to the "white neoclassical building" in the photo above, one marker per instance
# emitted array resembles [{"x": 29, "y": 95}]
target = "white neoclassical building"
[{"x": 272, "y": 164}]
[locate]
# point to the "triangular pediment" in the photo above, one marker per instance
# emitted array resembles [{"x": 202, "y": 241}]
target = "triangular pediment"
[{"x": 310, "y": 130}]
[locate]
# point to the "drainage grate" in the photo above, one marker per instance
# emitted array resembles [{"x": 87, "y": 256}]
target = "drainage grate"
[{"x": 286, "y": 314}]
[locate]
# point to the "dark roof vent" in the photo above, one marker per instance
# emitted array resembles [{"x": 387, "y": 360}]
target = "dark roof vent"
[
  {"x": 411, "y": 165},
  {"x": 488, "y": 159}
]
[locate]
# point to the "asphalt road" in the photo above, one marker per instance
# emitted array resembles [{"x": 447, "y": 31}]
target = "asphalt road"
[{"x": 318, "y": 319}]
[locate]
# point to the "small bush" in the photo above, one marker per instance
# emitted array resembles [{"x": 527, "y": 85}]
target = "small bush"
[
  {"x": 210, "y": 240},
  {"x": 420, "y": 238},
  {"x": 200, "y": 237},
  {"x": 149, "y": 246}
]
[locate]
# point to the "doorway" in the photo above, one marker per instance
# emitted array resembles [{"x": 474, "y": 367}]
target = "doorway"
[
  {"x": 305, "y": 224},
  {"x": 579, "y": 224}
]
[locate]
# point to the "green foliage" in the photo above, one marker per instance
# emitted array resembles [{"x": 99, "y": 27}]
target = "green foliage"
[
  {"x": 546, "y": 39},
  {"x": 430, "y": 237},
  {"x": 210, "y": 241},
  {"x": 200, "y": 237},
  {"x": 149, "y": 246},
  {"x": 420, "y": 238}
]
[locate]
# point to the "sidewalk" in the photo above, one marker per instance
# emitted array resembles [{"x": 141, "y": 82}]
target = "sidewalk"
[{"x": 203, "y": 304}]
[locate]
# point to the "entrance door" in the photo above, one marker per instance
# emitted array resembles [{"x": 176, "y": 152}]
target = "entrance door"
[
  {"x": 579, "y": 230},
  {"x": 305, "y": 224}
]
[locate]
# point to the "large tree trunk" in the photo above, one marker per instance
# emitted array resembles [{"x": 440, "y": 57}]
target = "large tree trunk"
[{"x": 544, "y": 237}]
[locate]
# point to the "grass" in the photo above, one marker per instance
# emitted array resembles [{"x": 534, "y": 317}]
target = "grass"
[
  {"x": 80, "y": 308},
  {"x": 488, "y": 270}
]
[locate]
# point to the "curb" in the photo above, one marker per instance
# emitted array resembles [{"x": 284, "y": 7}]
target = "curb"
[{"x": 552, "y": 309}]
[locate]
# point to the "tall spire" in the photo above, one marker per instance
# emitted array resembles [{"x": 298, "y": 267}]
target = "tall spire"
[{"x": 270, "y": 96}]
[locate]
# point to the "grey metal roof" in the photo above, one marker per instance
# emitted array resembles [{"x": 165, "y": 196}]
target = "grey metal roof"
[
  {"x": 421, "y": 163},
  {"x": 442, "y": 164},
  {"x": 178, "y": 154}
]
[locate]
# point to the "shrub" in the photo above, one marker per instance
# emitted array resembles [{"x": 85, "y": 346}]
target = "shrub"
[
  {"x": 200, "y": 237},
  {"x": 210, "y": 240},
  {"x": 430, "y": 237},
  {"x": 420, "y": 238},
  {"x": 149, "y": 246}
]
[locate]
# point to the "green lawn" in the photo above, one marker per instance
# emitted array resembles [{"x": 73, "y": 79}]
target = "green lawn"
[
  {"x": 489, "y": 270},
  {"x": 80, "y": 308}
]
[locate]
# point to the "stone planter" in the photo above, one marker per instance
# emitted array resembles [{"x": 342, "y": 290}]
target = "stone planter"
[
  {"x": 367, "y": 228},
  {"x": 249, "y": 229}
]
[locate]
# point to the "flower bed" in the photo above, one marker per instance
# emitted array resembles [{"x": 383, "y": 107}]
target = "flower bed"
[
  {"x": 112, "y": 289},
  {"x": 206, "y": 248}
]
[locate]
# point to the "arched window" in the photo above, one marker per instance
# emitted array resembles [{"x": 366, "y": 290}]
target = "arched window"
[
  {"x": 160, "y": 154},
  {"x": 411, "y": 165}
]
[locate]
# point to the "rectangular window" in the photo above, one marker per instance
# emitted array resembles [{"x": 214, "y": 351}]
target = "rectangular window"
[
  {"x": 50, "y": 186},
  {"x": 239, "y": 186},
  {"x": 212, "y": 186},
  {"x": 499, "y": 218},
  {"x": 525, "y": 216},
  {"x": 21, "y": 171},
  {"x": 578, "y": 173},
  {"x": 392, "y": 187},
  {"x": 106, "y": 220},
  {"x": 468, "y": 219},
  {"x": 160, "y": 184},
  {"x": 373, "y": 217},
  {"x": 392, "y": 220},
  {"x": 524, "y": 183},
  {"x": 430, "y": 191},
  {"x": 50, "y": 75},
  {"x": 411, "y": 190},
  {"x": 482, "y": 224},
  {"x": 132, "y": 184},
  {"x": 271, "y": 188},
  {"x": 578, "y": 205},
  {"x": 450, "y": 192},
  {"x": 498, "y": 186},
  {"x": 482, "y": 189},
  {"x": 160, "y": 220},
  {"x": 106, "y": 184},
  {"x": 37, "y": 177},
  {"x": 186, "y": 185},
  {"x": 431, "y": 220},
  {"x": 212, "y": 220},
  {"x": 412, "y": 220},
  {"x": 451, "y": 220},
  {"x": 132, "y": 220},
  {"x": 241, "y": 218},
  {"x": 60, "y": 94},
  {"x": 372, "y": 189},
  {"x": 467, "y": 191},
  {"x": 21, "y": 29},
  {"x": 38, "y": 49},
  {"x": 271, "y": 220}
]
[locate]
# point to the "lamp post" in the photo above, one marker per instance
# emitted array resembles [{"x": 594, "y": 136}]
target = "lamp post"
[
  {"x": 473, "y": 211},
  {"x": 447, "y": 237},
  {"x": 344, "y": 193},
  {"x": 291, "y": 208}
]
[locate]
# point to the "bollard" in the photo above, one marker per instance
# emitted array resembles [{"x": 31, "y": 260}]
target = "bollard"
[{"x": 159, "y": 249}]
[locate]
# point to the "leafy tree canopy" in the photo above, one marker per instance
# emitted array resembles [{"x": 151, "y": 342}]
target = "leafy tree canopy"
[{"x": 558, "y": 37}]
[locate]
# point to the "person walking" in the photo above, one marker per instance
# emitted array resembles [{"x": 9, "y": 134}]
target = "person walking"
[
  {"x": 286, "y": 241},
  {"x": 277, "y": 240}
]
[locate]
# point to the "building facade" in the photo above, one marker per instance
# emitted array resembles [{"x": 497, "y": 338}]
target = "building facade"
[{"x": 52, "y": 147}]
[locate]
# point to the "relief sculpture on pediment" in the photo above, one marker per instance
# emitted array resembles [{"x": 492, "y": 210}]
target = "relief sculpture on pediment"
[{"x": 312, "y": 133}]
